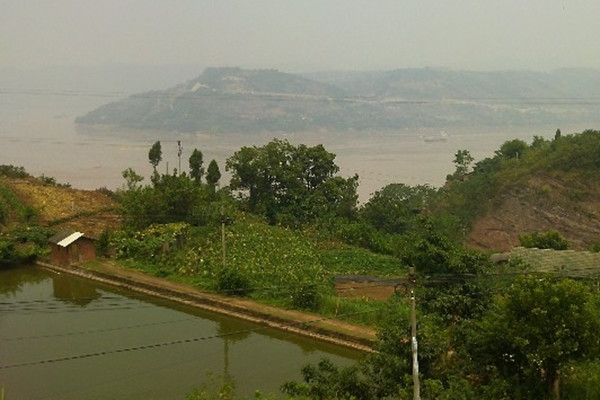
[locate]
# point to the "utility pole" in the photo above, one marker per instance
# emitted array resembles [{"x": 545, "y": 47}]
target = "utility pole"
[
  {"x": 179, "y": 151},
  {"x": 413, "y": 333},
  {"x": 223, "y": 234}
]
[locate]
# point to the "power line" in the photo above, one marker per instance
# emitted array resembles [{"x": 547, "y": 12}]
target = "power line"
[
  {"x": 95, "y": 331},
  {"x": 58, "y": 310},
  {"x": 174, "y": 342}
]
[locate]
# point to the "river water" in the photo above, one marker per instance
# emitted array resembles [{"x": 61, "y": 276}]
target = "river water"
[
  {"x": 66, "y": 338},
  {"x": 39, "y": 133}
]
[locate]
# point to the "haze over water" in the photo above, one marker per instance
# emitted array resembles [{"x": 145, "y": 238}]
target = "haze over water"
[
  {"x": 37, "y": 132},
  {"x": 44, "y": 139}
]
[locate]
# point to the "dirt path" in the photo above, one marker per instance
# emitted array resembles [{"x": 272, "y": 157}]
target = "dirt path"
[{"x": 307, "y": 324}]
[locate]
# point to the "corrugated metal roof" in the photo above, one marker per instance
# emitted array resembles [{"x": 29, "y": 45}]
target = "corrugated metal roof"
[
  {"x": 563, "y": 262},
  {"x": 64, "y": 239},
  {"x": 60, "y": 236},
  {"x": 70, "y": 239}
]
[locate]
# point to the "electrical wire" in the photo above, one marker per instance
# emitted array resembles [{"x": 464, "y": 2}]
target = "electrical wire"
[
  {"x": 175, "y": 342},
  {"x": 96, "y": 331}
]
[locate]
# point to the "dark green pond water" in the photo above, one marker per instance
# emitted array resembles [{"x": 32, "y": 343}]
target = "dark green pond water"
[{"x": 67, "y": 338}]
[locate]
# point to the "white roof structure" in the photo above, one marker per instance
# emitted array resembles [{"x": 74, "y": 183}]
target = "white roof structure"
[{"x": 70, "y": 239}]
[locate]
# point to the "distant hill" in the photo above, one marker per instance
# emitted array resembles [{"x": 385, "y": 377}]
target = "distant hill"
[{"x": 237, "y": 100}]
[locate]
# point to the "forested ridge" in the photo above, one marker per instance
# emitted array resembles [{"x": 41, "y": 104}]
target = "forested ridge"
[
  {"x": 235, "y": 100},
  {"x": 291, "y": 224}
]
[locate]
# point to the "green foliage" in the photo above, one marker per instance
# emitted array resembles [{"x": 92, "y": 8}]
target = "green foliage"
[
  {"x": 512, "y": 149},
  {"x": 213, "y": 173},
  {"x": 326, "y": 381},
  {"x": 396, "y": 207},
  {"x": 351, "y": 260},
  {"x": 462, "y": 160},
  {"x": 306, "y": 297},
  {"x": 534, "y": 332},
  {"x": 11, "y": 171},
  {"x": 10, "y": 205},
  {"x": 151, "y": 244},
  {"x": 195, "y": 163},
  {"x": 582, "y": 381},
  {"x": 50, "y": 181},
  {"x": 355, "y": 310},
  {"x": 103, "y": 243},
  {"x": 364, "y": 235},
  {"x": 544, "y": 240},
  {"x": 36, "y": 234},
  {"x": 8, "y": 253},
  {"x": 456, "y": 301},
  {"x": 270, "y": 263},
  {"x": 233, "y": 283},
  {"x": 132, "y": 179},
  {"x": 172, "y": 198},
  {"x": 595, "y": 247},
  {"x": 291, "y": 184},
  {"x": 433, "y": 253},
  {"x": 214, "y": 387},
  {"x": 155, "y": 155}
]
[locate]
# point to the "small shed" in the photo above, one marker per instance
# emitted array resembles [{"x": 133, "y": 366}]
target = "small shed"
[{"x": 71, "y": 247}]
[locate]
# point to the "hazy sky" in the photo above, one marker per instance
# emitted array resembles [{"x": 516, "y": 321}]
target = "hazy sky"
[{"x": 303, "y": 35}]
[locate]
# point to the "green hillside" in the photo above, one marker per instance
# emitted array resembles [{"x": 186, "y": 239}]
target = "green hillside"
[{"x": 223, "y": 100}]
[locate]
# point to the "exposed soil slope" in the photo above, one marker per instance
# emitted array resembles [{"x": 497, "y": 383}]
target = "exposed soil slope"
[{"x": 569, "y": 206}]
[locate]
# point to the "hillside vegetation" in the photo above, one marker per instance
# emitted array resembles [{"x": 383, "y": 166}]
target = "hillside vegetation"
[
  {"x": 541, "y": 186},
  {"x": 287, "y": 226},
  {"x": 224, "y": 100}
]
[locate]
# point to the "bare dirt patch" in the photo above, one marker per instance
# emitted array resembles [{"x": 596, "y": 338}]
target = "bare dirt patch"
[
  {"x": 545, "y": 203},
  {"x": 88, "y": 211},
  {"x": 364, "y": 287}
]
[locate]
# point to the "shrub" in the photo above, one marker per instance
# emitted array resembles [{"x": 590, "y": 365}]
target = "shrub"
[
  {"x": 8, "y": 253},
  {"x": 544, "y": 240},
  {"x": 306, "y": 297},
  {"x": 233, "y": 282}
]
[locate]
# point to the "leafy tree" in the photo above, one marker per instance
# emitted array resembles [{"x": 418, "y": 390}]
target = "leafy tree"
[
  {"x": 155, "y": 155},
  {"x": 196, "y": 169},
  {"x": 462, "y": 160},
  {"x": 291, "y": 184},
  {"x": 213, "y": 174},
  {"x": 394, "y": 208},
  {"x": 539, "y": 142},
  {"x": 132, "y": 179},
  {"x": 534, "y": 332},
  {"x": 512, "y": 149}
]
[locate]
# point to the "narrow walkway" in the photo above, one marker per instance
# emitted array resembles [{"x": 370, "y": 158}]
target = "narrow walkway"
[{"x": 302, "y": 323}]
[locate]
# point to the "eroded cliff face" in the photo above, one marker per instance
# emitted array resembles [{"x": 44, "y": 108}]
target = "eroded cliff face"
[{"x": 569, "y": 206}]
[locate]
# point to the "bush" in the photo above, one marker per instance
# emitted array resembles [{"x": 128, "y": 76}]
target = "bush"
[
  {"x": 546, "y": 240},
  {"x": 306, "y": 297},
  {"x": 8, "y": 254},
  {"x": 595, "y": 247},
  {"x": 233, "y": 282}
]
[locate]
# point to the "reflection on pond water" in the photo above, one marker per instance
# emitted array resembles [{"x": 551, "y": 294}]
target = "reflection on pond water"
[{"x": 67, "y": 338}]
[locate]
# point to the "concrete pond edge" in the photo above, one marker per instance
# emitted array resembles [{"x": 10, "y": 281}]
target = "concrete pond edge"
[{"x": 221, "y": 305}]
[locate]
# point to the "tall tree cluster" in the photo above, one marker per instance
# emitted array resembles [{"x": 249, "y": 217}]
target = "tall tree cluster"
[{"x": 291, "y": 184}]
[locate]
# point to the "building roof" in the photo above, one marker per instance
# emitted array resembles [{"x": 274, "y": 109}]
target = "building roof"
[
  {"x": 64, "y": 239},
  {"x": 570, "y": 263}
]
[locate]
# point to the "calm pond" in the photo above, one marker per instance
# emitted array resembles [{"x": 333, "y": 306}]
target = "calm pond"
[{"x": 66, "y": 338}]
